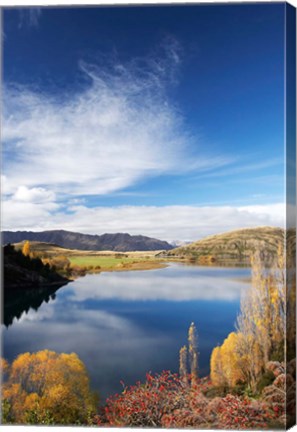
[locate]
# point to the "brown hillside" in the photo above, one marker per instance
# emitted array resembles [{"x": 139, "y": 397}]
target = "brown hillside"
[{"x": 235, "y": 245}]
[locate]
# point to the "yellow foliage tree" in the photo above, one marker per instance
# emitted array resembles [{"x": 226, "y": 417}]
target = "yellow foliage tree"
[
  {"x": 260, "y": 326},
  {"x": 26, "y": 248},
  {"x": 4, "y": 369},
  {"x": 49, "y": 386},
  {"x": 226, "y": 363},
  {"x": 216, "y": 368}
]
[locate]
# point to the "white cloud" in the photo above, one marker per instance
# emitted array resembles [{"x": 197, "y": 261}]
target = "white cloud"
[
  {"x": 28, "y": 207},
  {"x": 33, "y": 195},
  {"x": 118, "y": 129},
  {"x": 6, "y": 188},
  {"x": 166, "y": 223},
  {"x": 168, "y": 285}
]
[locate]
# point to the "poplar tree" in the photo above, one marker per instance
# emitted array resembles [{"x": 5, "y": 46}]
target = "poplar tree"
[
  {"x": 26, "y": 248},
  {"x": 193, "y": 353},
  {"x": 183, "y": 357}
]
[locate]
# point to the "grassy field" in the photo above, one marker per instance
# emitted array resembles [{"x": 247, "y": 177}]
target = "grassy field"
[
  {"x": 97, "y": 260},
  {"x": 102, "y": 261},
  {"x": 89, "y": 260}
]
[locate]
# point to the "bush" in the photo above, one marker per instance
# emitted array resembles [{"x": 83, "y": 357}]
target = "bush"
[
  {"x": 146, "y": 404},
  {"x": 165, "y": 400},
  {"x": 266, "y": 379}
]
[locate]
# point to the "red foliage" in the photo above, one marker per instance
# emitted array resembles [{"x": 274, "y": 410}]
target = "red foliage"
[
  {"x": 145, "y": 404},
  {"x": 236, "y": 413},
  {"x": 165, "y": 400}
]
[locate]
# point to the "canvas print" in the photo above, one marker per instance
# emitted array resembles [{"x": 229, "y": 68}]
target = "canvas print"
[{"x": 148, "y": 216}]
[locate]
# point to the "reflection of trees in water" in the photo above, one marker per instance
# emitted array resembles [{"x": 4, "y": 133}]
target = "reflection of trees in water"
[{"x": 16, "y": 302}]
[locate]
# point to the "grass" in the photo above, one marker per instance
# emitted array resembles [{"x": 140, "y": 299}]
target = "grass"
[
  {"x": 96, "y": 261},
  {"x": 112, "y": 263},
  {"x": 102, "y": 261}
]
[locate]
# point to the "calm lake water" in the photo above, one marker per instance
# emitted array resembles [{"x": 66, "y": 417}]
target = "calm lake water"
[{"x": 123, "y": 324}]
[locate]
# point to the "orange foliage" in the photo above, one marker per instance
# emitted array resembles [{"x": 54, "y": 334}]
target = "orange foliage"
[
  {"x": 26, "y": 248},
  {"x": 46, "y": 384}
]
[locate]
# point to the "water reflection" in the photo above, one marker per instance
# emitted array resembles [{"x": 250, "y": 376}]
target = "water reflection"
[
  {"x": 125, "y": 324},
  {"x": 18, "y": 302},
  {"x": 171, "y": 284}
]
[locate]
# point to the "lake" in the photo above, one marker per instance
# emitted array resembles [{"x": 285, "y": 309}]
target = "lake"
[{"x": 124, "y": 324}]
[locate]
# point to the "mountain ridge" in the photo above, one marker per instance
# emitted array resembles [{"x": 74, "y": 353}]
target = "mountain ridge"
[{"x": 120, "y": 242}]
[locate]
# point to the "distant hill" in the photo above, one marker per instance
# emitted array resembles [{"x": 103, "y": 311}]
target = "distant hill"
[
  {"x": 120, "y": 242},
  {"x": 233, "y": 246}
]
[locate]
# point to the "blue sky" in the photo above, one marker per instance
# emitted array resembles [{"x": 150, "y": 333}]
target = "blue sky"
[{"x": 164, "y": 121}]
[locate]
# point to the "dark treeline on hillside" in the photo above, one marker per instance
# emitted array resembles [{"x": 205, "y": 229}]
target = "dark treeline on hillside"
[{"x": 24, "y": 271}]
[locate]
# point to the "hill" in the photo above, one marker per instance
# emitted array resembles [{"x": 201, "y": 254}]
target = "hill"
[
  {"x": 20, "y": 271},
  {"x": 120, "y": 242},
  {"x": 233, "y": 246}
]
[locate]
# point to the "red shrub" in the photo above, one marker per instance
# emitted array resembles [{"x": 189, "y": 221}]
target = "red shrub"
[
  {"x": 146, "y": 404},
  {"x": 236, "y": 413},
  {"x": 165, "y": 400}
]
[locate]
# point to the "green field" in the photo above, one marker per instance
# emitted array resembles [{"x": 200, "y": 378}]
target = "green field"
[
  {"x": 95, "y": 261},
  {"x": 102, "y": 261}
]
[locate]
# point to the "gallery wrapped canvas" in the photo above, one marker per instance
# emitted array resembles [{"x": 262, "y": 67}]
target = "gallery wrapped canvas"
[{"x": 149, "y": 216}]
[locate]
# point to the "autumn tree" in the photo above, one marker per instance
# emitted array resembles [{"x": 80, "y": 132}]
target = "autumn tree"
[
  {"x": 183, "y": 357},
  {"x": 193, "y": 353},
  {"x": 260, "y": 326},
  {"x": 46, "y": 387},
  {"x": 291, "y": 294},
  {"x": 26, "y": 248},
  {"x": 226, "y": 363},
  {"x": 4, "y": 369},
  {"x": 188, "y": 356},
  {"x": 216, "y": 368},
  {"x": 262, "y": 317}
]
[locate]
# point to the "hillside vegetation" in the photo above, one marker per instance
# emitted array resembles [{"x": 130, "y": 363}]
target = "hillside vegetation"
[
  {"x": 23, "y": 270},
  {"x": 233, "y": 246},
  {"x": 74, "y": 262}
]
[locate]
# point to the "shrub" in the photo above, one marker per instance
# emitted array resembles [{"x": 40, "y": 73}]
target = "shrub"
[
  {"x": 146, "y": 404},
  {"x": 266, "y": 379},
  {"x": 236, "y": 413},
  {"x": 165, "y": 400}
]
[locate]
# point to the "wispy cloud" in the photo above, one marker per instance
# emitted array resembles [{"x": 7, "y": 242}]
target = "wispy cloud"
[
  {"x": 29, "y": 17},
  {"x": 118, "y": 129},
  {"x": 104, "y": 138},
  {"x": 241, "y": 168}
]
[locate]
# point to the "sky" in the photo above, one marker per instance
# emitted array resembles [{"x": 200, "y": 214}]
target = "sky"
[{"x": 162, "y": 121}]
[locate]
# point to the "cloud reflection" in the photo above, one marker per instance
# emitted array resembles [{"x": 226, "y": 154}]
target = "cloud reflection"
[
  {"x": 173, "y": 285},
  {"x": 120, "y": 330},
  {"x": 112, "y": 347}
]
